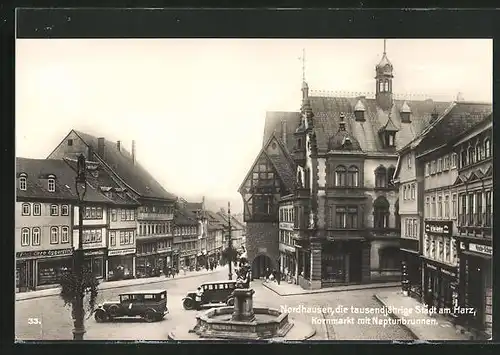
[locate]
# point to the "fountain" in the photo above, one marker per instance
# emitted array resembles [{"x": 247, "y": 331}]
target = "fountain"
[{"x": 243, "y": 322}]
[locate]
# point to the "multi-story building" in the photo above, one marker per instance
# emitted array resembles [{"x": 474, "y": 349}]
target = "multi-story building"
[
  {"x": 197, "y": 210},
  {"x": 337, "y": 157},
  {"x": 288, "y": 262},
  {"x": 474, "y": 188},
  {"x": 237, "y": 229},
  {"x": 214, "y": 236},
  {"x": 44, "y": 219},
  {"x": 155, "y": 214},
  {"x": 186, "y": 237},
  {"x": 428, "y": 174}
]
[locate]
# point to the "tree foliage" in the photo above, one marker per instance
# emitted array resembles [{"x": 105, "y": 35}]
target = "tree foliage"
[
  {"x": 69, "y": 291},
  {"x": 230, "y": 254}
]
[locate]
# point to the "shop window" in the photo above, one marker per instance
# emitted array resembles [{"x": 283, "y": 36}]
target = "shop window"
[
  {"x": 54, "y": 210},
  {"x": 51, "y": 184},
  {"x": 25, "y": 237},
  {"x": 381, "y": 213},
  {"x": 37, "y": 209},
  {"x": 22, "y": 183},
  {"x": 54, "y": 235},
  {"x": 64, "y": 210},
  {"x": 35, "y": 236},
  {"x": 26, "y": 209}
]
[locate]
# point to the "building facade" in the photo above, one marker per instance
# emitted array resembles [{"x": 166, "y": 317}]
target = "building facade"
[
  {"x": 186, "y": 239},
  {"x": 214, "y": 236},
  {"x": 474, "y": 188},
  {"x": 43, "y": 222},
  {"x": 337, "y": 157},
  {"x": 288, "y": 260}
]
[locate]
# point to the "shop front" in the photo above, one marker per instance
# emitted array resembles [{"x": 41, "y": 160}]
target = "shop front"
[
  {"x": 341, "y": 262},
  {"x": 411, "y": 268},
  {"x": 476, "y": 284},
  {"x": 120, "y": 264},
  {"x": 94, "y": 261},
  {"x": 146, "y": 260},
  {"x": 41, "y": 269},
  {"x": 287, "y": 261},
  {"x": 441, "y": 285}
]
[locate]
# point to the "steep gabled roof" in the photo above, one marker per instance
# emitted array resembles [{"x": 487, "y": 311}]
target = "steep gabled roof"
[
  {"x": 235, "y": 224},
  {"x": 273, "y": 125},
  {"x": 214, "y": 221},
  {"x": 183, "y": 217},
  {"x": 132, "y": 174}
]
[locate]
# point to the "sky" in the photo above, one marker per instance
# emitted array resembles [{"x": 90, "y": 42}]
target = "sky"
[{"x": 196, "y": 107}]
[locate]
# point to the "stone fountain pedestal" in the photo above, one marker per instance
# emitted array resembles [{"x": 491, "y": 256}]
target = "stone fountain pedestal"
[{"x": 243, "y": 322}]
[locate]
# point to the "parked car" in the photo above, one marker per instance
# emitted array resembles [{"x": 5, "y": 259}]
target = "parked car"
[
  {"x": 215, "y": 294},
  {"x": 150, "y": 305}
]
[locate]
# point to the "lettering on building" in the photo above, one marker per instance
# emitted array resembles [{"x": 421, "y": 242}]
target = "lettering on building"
[
  {"x": 44, "y": 253},
  {"x": 483, "y": 249}
]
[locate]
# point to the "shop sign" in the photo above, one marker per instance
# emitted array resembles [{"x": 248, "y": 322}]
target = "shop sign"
[
  {"x": 286, "y": 225},
  {"x": 483, "y": 249},
  {"x": 438, "y": 227},
  {"x": 432, "y": 267},
  {"x": 44, "y": 253},
  {"x": 93, "y": 252},
  {"x": 449, "y": 273},
  {"x": 117, "y": 252}
]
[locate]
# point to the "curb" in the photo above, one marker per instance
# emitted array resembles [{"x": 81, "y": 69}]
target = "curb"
[
  {"x": 395, "y": 316},
  {"x": 113, "y": 287},
  {"x": 371, "y": 286}
]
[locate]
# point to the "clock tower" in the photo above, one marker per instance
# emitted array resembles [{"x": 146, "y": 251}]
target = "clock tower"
[{"x": 383, "y": 77}]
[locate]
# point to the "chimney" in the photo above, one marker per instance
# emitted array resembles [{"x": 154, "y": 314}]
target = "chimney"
[
  {"x": 133, "y": 152},
  {"x": 119, "y": 145},
  {"x": 100, "y": 147},
  {"x": 203, "y": 203},
  {"x": 283, "y": 131}
]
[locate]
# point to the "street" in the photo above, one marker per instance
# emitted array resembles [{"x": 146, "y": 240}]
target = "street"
[{"x": 56, "y": 324}]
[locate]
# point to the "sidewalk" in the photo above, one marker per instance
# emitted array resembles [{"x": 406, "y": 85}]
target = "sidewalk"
[
  {"x": 105, "y": 285},
  {"x": 437, "y": 327},
  {"x": 286, "y": 289}
]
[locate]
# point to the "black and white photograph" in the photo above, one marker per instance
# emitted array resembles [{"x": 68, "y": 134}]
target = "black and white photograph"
[{"x": 201, "y": 189}]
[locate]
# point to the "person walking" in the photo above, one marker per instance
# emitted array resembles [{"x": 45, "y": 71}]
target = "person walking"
[{"x": 199, "y": 295}]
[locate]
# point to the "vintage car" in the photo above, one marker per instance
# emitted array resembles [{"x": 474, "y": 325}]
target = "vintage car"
[
  {"x": 215, "y": 294},
  {"x": 150, "y": 305}
]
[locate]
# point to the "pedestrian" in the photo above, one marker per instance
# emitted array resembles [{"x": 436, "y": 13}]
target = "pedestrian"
[
  {"x": 199, "y": 295},
  {"x": 267, "y": 274},
  {"x": 278, "y": 276}
]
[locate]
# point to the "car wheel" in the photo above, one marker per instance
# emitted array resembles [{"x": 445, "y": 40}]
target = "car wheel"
[
  {"x": 188, "y": 304},
  {"x": 150, "y": 316},
  {"x": 100, "y": 316},
  {"x": 113, "y": 311},
  {"x": 230, "y": 302}
]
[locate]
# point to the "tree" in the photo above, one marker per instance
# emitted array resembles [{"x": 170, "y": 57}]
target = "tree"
[
  {"x": 230, "y": 254},
  {"x": 69, "y": 290}
]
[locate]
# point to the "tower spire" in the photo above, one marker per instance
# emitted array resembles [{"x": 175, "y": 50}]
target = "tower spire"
[
  {"x": 303, "y": 59},
  {"x": 385, "y": 44}
]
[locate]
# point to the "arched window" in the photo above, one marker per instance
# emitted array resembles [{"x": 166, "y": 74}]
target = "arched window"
[
  {"x": 65, "y": 235},
  {"x": 396, "y": 215},
  {"x": 22, "y": 183},
  {"x": 26, "y": 209},
  {"x": 487, "y": 148},
  {"x": 25, "y": 237},
  {"x": 471, "y": 154},
  {"x": 51, "y": 184},
  {"x": 54, "y": 235},
  {"x": 381, "y": 177},
  {"x": 390, "y": 176},
  {"x": 381, "y": 213},
  {"x": 479, "y": 152},
  {"x": 353, "y": 176},
  {"x": 35, "y": 236},
  {"x": 340, "y": 175}
]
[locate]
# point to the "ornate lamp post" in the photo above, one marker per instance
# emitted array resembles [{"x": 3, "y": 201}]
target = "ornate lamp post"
[
  {"x": 230, "y": 242},
  {"x": 80, "y": 185}
]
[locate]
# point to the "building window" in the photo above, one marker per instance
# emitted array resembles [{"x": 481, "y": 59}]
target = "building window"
[
  {"x": 340, "y": 176},
  {"x": 427, "y": 207},
  {"x": 381, "y": 177},
  {"x": 353, "y": 176},
  {"x": 92, "y": 236},
  {"x": 447, "y": 250},
  {"x": 479, "y": 152},
  {"x": 22, "y": 183},
  {"x": 471, "y": 210},
  {"x": 433, "y": 167},
  {"x": 26, "y": 209},
  {"x": 453, "y": 160},
  {"x": 93, "y": 213},
  {"x": 70, "y": 142},
  {"x": 487, "y": 148},
  {"x": 25, "y": 237},
  {"x": 64, "y": 235},
  {"x": 35, "y": 236},
  {"x": 381, "y": 213},
  {"x": 472, "y": 155},
  {"x": 64, "y": 210},
  {"x": 37, "y": 209},
  {"x": 463, "y": 158},
  {"x": 454, "y": 206},
  {"x": 446, "y": 163},
  {"x": 390, "y": 176},
  {"x": 440, "y": 207},
  {"x": 112, "y": 238},
  {"x": 390, "y": 139},
  {"x": 127, "y": 215},
  {"x": 433, "y": 207},
  {"x": 412, "y": 191},
  {"x": 113, "y": 215},
  {"x": 51, "y": 183},
  {"x": 427, "y": 169},
  {"x": 54, "y": 210},
  {"x": 440, "y": 165},
  {"x": 447, "y": 206},
  {"x": 54, "y": 235},
  {"x": 488, "y": 211},
  {"x": 415, "y": 228},
  {"x": 408, "y": 161},
  {"x": 346, "y": 217},
  {"x": 479, "y": 209}
]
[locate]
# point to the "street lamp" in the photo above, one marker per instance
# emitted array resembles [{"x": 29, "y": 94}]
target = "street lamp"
[
  {"x": 230, "y": 243},
  {"x": 80, "y": 185}
]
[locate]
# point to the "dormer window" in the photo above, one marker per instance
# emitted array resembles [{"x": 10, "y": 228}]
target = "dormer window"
[
  {"x": 390, "y": 139},
  {"x": 299, "y": 143},
  {"x": 51, "y": 184},
  {"x": 22, "y": 182}
]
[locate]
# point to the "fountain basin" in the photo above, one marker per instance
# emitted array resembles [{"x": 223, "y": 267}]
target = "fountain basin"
[{"x": 218, "y": 323}]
